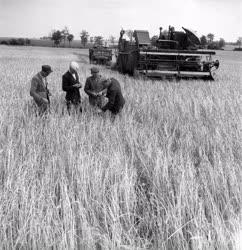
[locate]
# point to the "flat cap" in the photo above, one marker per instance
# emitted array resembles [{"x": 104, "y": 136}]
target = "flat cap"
[
  {"x": 46, "y": 68},
  {"x": 94, "y": 70}
]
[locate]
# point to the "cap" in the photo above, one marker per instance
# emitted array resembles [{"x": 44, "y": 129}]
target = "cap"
[
  {"x": 46, "y": 68},
  {"x": 94, "y": 70},
  {"x": 74, "y": 65}
]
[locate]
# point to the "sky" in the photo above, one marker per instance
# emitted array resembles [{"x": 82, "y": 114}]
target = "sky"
[{"x": 36, "y": 18}]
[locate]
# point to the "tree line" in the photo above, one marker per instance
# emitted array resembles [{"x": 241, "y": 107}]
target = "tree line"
[
  {"x": 64, "y": 35},
  {"x": 209, "y": 43},
  {"x": 59, "y": 36},
  {"x": 17, "y": 41}
]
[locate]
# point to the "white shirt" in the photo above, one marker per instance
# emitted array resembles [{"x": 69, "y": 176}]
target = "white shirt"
[
  {"x": 73, "y": 74},
  {"x": 44, "y": 80}
]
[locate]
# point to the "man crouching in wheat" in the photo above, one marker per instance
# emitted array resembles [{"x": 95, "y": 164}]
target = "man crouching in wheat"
[
  {"x": 39, "y": 90},
  {"x": 115, "y": 97}
]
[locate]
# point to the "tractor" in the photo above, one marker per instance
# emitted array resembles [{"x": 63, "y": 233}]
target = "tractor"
[
  {"x": 100, "y": 55},
  {"x": 174, "y": 54}
]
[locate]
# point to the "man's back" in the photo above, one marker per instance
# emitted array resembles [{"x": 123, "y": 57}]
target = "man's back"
[{"x": 115, "y": 96}]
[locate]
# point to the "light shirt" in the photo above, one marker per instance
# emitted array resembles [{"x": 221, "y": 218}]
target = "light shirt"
[
  {"x": 44, "y": 80},
  {"x": 73, "y": 74}
]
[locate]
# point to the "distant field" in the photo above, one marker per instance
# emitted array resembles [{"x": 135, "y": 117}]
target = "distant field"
[
  {"x": 165, "y": 175},
  {"x": 49, "y": 43},
  {"x": 229, "y": 47}
]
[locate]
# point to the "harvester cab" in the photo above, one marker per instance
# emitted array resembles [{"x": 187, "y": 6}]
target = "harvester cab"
[{"x": 174, "y": 54}]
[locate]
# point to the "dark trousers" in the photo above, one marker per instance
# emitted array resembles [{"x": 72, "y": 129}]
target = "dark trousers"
[
  {"x": 73, "y": 106},
  {"x": 42, "y": 108},
  {"x": 115, "y": 114}
]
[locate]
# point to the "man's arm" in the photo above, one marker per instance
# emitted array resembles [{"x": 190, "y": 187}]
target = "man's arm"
[{"x": 111, "y": 101}]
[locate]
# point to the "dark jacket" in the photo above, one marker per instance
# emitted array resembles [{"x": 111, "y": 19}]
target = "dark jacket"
[
  {"x": 72, "y": 93},
  {"x": 115, "y": 98},
  {"x": 39, "y": 90},
  {"x": 93, "y": 86}
]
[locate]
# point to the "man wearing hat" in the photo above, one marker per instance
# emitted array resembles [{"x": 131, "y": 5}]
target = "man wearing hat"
[
  {"x": 114, "y": 94},
  {"x": 71, "y": 85},
  {"x": 93, "y": 88},
  {"x": 39, "y": 90}
]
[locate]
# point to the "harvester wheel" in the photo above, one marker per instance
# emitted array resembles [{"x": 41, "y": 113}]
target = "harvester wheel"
[{"x": 208, "y": 78}]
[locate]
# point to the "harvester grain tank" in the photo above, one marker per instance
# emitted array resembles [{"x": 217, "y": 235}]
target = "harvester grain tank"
[{"x": 175, "y": 54}]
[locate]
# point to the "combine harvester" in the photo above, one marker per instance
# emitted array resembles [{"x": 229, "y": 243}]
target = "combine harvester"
[{"x": 176, "y": 54}]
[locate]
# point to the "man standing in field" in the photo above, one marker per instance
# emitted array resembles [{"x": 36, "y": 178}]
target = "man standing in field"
[
  {"x": 39, "y": 90},
  {"x": 93, "y": 88},
  {"x": 71, "y": 85},
  {"x": 115, "y": 98}
]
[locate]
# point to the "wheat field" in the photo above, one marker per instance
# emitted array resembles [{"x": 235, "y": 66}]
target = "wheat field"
[{"x": 165, "y": 175}]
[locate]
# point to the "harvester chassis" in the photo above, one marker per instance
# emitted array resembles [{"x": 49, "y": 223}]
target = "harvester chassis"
[{"x": 143, "y": 59}]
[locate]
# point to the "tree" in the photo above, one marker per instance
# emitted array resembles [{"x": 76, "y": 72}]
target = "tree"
[
  {"x": 13, "y": 41},
  {"x": 239, "y": 42},
  {"x": 210, "y": 37},
  {"x": 154, "y": 40},
  {"x": 203, "y": 40},
  {"x": 70, "y": 38},
  {"x": 21, "y": 41},
  {"x": 221, "y": 43},
  {"x": 91, "y": 39},
  {"x": 57, "y": 37},
  {"x": 65, "y": 33},
  {"x": 106, "y": 43},
  {"x": 4, "y": 42},
  {"x": 98, "y": 40},
  {"x": 27, "y": 41},
  {"x": 84, "y": 37}
]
